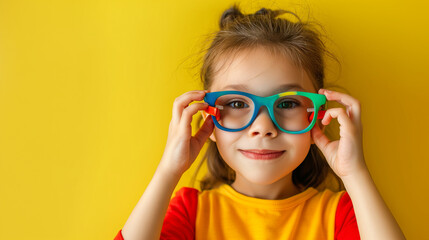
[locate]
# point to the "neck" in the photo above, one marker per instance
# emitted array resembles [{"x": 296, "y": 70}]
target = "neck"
[{"x": 281, "y": 189}]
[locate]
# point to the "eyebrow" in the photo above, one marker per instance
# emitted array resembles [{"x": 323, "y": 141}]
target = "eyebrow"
[{"x": 281, "y": 88}]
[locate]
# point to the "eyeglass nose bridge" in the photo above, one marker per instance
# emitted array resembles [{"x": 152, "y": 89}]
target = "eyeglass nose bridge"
[{"x": 260, "y": 102}]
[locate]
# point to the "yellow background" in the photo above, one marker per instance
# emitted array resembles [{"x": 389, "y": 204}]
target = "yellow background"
[{"x": 87, "y": 87}]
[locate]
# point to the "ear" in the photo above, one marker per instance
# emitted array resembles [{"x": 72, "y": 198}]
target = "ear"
[{"x": 205, "y": 115}]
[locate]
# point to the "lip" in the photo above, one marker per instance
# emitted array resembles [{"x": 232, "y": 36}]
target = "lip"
[{"x": 261, "y": 154}]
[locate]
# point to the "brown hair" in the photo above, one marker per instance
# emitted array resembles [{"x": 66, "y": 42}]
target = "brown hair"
[{"x": 296, "y": 40}]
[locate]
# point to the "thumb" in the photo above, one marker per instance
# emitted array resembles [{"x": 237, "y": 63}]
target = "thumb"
[
  {"x": 319, "y": 138},
  {"x": 205, "y": 131}
]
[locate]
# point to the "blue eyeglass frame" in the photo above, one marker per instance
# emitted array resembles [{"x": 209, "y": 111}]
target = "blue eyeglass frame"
[{"x": 318, "y": 101}]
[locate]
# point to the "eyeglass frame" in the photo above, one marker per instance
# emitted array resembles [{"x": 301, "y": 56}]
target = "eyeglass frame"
[{"x": 319, "y": 100}]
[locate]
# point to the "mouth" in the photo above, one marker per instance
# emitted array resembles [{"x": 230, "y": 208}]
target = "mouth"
[{"x": 261, "y": 154}]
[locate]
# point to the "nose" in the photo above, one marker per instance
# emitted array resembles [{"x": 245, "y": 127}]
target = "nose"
[{"x": 263, "y": 125}]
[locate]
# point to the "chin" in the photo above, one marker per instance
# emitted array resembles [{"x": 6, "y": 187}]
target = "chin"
[{"x": 263, "y": 178}]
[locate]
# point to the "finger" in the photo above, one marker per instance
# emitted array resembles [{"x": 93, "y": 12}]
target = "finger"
[
  {"x": 352, "y": 105},
  {"x": 346, "y": 125},
  {"x": 187, "y": 114},
  {"x": 205, "y": 131},
  {"x": 319, "y": 138},
  {"x": 182, "y": 102}
]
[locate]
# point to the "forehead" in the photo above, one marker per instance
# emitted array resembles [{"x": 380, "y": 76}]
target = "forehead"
[{"x": 260, "y": 72}]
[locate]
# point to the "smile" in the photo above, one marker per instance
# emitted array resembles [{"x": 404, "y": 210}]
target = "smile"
[{"x": 261, "y": 154}]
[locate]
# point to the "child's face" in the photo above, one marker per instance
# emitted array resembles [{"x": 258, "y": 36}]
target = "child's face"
[{"x": 259, "y": 73}]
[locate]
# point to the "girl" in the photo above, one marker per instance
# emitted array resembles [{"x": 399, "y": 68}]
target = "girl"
[{"x": 264, "y": 79}]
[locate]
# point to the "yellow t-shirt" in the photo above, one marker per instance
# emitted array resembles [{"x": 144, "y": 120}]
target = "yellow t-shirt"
[{"x": 223, "y": 213}]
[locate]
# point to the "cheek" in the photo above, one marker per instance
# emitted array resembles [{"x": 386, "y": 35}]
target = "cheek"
[
  {"x": 305, "y": 147},
  {"x": 225, "y": 139},
  {"x": 299, "y": 143},
  {"x": 227, "y": 144}
]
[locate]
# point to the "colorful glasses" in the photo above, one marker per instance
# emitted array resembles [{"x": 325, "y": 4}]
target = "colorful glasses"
[{"x": 291, "y": 112}]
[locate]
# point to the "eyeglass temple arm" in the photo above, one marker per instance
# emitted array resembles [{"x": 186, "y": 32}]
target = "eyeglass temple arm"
[
  {"x": 214, "y": 111},
  {"x": 320, "y": 114}
]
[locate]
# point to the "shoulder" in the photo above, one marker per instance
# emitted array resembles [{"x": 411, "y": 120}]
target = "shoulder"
[
  {"x": 345, "y": 209},
  {"x": 338, "y": 206},
  {"x": 326, "y": 198},
  {"x": 328, "y": 193},
  {"x": 179, "y": 221},
  {"x": 185, "y": 199},
  {"x": 186, "y": 193},
  {"x": 345, "y": 219}
]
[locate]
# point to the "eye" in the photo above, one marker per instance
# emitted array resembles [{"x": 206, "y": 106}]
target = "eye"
[
  {"x": 288, "y": 104},
  {"x": 237, "y": 104}
]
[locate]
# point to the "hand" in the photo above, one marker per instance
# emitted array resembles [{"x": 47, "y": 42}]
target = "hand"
[
  {"x": 182, "y": 148},
  {"x": 344, "y": 156}
]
